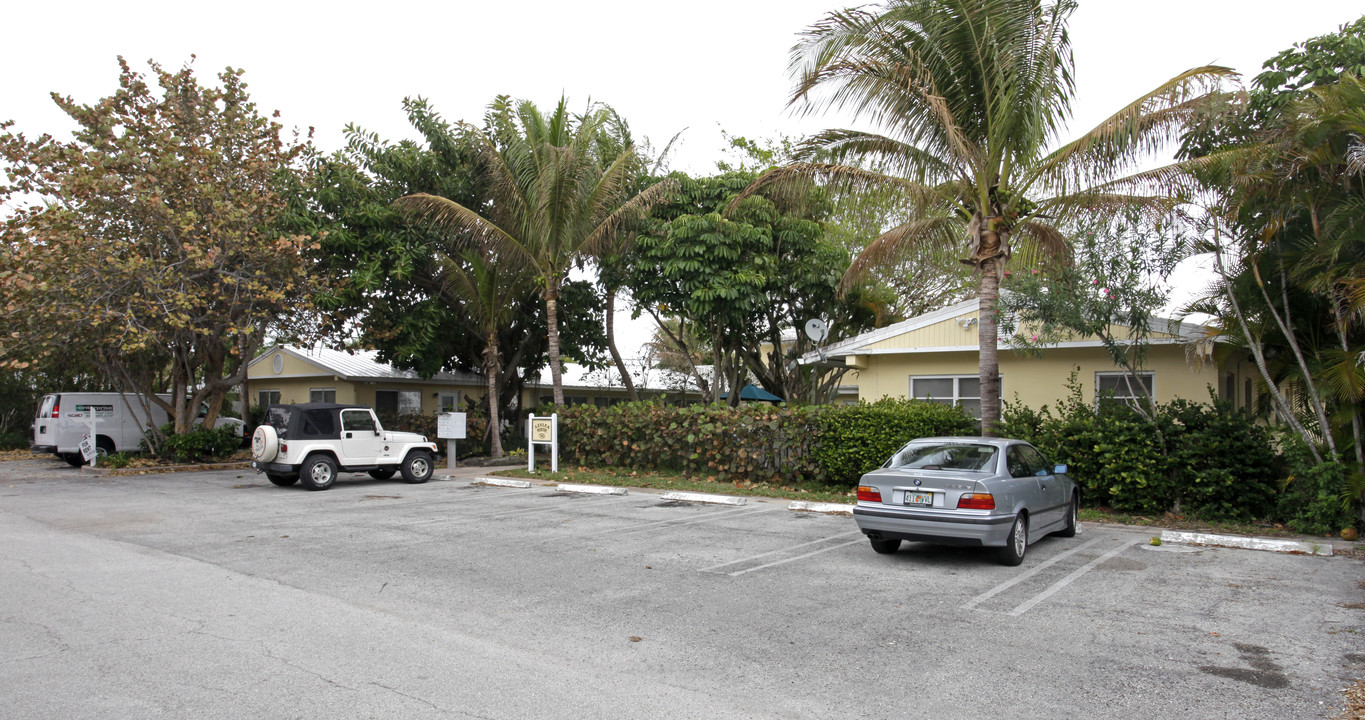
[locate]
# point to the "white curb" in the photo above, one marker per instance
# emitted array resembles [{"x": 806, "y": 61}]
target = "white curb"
[
  {"x": 703, "y": 498},
  {"x": 591, "y": 489},
  {"x": 502, "y": 482},
  {"x": 829, "y": 508},
  {"x": 1247, "y": 543}
]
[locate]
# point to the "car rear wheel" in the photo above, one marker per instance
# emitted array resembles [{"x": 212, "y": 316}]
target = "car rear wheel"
[
  {"x": 282, "y": 480},
  {"x": 318, "y": 472},
  {"x": 417, "y": 467},
  {"x": 382, "y": 473},
  {"x": 1016, "y": 544},
  {"x": 885, "y": 547},
  {"x": 1072, "y": 511},
  {"x": 73, "y": 459}
]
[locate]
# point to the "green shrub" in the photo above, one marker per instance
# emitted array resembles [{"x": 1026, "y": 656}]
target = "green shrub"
[
  {"x": 854, "y": 439},
  {"x": 201, "y": 443},
  {"x": 1206, "y": 459},
  {"x": 755, "y": 443},
  {"x": 1311, "y": 498},
  {"x": 116, "y": 460}
]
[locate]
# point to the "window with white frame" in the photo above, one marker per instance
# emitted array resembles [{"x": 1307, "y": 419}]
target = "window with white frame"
[
  {"x": 322, "y": 395},
  {"x": 1122, "y": 387},
  {"x": 449, "y": 401},
  {"x": 957, "y": 390},
  {"x": 268, "y": 397}
]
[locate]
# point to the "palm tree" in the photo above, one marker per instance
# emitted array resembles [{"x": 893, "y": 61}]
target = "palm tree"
[
  {"x": 556, "y": 202},
  {"x": 489, "y": 291},
  {"x": 969, "y": 95}
]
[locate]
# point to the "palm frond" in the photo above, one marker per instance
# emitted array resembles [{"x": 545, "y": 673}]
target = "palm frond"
[
  {"x": 895, "y": 243},
  {"x": 448, "y": 215},
  {"x": 842, "y": 178}
]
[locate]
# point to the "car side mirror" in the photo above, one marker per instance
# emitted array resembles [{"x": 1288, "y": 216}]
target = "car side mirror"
[{"x": 1059, "y": 470}]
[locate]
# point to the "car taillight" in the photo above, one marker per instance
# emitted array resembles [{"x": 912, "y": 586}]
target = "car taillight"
[
  {"x": 976, "y": 501},
  {"x": 284, "y": 450},
  {"x": 56, "y": 408},
  {"x": 867, "y": 493}
]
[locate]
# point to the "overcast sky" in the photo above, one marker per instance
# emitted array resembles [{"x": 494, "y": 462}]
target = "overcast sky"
[{"x": 698, "y": 66}]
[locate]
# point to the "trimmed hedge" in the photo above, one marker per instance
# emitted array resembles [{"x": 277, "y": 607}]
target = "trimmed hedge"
[
  {"x": 753, "y": 443},
  {"x": 1208, "y": 460}
]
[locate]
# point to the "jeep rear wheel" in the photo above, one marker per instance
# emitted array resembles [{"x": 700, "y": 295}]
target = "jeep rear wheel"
[
  {"x": 417, "y": 467},
  {"x": 318, "y": 472}
]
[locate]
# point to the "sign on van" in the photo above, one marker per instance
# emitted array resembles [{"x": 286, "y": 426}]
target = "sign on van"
[{"x": 101, "y": 411}]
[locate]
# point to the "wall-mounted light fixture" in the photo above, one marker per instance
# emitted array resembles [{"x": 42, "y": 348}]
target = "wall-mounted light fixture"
[{"x": 966, "y": 323}]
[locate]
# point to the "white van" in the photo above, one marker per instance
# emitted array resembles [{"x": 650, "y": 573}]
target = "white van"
[{"x": 119, "y": 425}]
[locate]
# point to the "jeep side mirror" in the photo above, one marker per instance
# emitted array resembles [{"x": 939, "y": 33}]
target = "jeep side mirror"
[{"x": 1059, "y": 470}]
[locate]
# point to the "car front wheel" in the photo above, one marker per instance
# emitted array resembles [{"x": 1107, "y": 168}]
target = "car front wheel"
[
  {"x": 318, "y": 472},
  {"x": 1016, "y": 544},
  {"x": 417, "y": 467}
]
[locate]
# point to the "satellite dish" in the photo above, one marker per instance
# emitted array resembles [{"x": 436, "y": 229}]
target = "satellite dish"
[{"x": 816, "y": 330}]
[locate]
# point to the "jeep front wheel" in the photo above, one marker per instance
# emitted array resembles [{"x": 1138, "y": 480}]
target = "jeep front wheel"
[
  {"x": 417, "y": 467},
  {"x": 318, "y": 472}
]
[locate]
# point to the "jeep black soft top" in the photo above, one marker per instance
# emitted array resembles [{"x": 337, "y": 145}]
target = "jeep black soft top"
[{"x": 308, "y": 420}]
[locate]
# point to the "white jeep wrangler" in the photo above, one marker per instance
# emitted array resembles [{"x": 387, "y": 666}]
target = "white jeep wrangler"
[{"x": 313, "y": 442}]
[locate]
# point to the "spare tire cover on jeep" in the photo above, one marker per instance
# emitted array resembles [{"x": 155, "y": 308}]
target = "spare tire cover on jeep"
[{"x": 265, "y": 444}]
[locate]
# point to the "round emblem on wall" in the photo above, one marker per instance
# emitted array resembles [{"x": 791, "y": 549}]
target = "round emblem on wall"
[{"x": 279, "y": 363}]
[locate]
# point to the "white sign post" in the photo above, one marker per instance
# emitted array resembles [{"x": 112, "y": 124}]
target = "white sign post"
[
  {"x": 542, "y": 431},
  {"x": 87, "y": 444},
  {"x": 450, "y": 427}
]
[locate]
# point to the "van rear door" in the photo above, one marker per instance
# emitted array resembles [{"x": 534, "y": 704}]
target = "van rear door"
[{"x": 44, "y": 437}]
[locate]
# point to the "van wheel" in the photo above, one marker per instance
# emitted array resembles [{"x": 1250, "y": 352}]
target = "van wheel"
[
  {"x": 318, "y": 472},
  {"x": 104, "y": 447},
  {"x": 417, "y": 467},
  {"x": 73, "y": 459},
  {"x": 282, "y": 480}
]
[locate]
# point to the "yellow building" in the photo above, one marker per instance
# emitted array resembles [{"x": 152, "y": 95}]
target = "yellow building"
[
  {"x": 935, "y": 356},
  {"x": 288, "y": 374}
]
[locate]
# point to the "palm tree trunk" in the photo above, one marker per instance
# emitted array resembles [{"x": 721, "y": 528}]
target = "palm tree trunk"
[
  {"x": 611, "y": 345},
  {"x": 491, "y": 369},
  {"x": 988, "y": 295},
  {"x": 552, "y": 320}
]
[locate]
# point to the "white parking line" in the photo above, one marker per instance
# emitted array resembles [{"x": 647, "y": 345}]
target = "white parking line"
[
  {"x": 719, "y": 515},
  {"x": 1002, "y": 587},
  {"x": 1027, "y": 604},
  {"x": 713, "y": 568},
  {"x": 557, "y": 507}
]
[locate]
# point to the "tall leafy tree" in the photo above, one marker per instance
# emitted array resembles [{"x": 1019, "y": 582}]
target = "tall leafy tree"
[
  {"x": 970, "y": 97},
  {"x": 156, "y": 241},
  {"x": 555, "y": 202}
]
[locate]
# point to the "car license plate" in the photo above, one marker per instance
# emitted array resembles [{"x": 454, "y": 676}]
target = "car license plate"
[{"x": 919, "y": 498}]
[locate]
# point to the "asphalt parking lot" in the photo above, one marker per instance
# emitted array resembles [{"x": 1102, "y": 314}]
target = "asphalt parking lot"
[{"x": 217, "y": 594}]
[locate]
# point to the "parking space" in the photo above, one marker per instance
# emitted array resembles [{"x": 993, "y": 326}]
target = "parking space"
[{"x": 695, "y": 609}]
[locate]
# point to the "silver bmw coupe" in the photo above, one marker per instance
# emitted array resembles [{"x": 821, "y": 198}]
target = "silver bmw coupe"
[{"x": 991, "y": 492}]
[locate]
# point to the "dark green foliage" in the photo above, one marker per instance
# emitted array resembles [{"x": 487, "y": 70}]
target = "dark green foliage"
[
  {"x": 1311, "y": 499},
  {"x": 200, "y": 444},
  {"x": 855, "y": 439},
  {"x": 1216, "y": 463},
  {"x": 753, "y": 443}
]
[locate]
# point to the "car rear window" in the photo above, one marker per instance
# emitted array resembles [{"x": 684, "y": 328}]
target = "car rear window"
[
  {"x": 278, "y": 417},
  {"x": 945, "y": 456}
]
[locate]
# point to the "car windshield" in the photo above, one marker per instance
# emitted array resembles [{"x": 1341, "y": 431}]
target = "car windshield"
[{"x": 944, "y": 456}]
